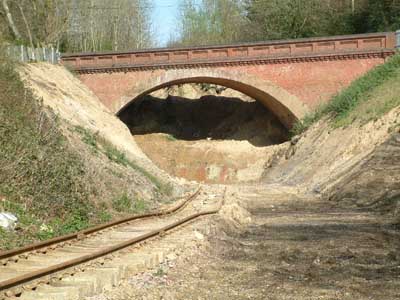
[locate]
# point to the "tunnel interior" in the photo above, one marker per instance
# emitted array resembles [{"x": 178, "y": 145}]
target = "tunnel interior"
[
  {"x": 204, "y": 111},
  {"x": 210, "y": 116},
  {"x": 203, "y": 132}
]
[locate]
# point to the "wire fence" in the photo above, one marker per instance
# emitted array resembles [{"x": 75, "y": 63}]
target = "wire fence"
[{"x": 27, "y": 54}]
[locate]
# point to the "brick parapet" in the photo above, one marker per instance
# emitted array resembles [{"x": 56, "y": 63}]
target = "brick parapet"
[{"x": 374, "y": 45}]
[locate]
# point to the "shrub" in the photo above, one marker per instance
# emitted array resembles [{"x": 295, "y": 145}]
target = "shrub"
[
  {"x": 42, "y": 179},
  {"x": 125, "y": 204}
]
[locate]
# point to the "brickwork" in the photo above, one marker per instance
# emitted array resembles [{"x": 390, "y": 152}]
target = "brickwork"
[{"x": 289, "y": 77}]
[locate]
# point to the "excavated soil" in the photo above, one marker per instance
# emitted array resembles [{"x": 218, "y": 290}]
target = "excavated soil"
[
  {"x": 79, "y": 109},
  {"x": 358, "y": 165},
  {"x": 212, "y": 136},
  {"x": 209, "y": 161}
]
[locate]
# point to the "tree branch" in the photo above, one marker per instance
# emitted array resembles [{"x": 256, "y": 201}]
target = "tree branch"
[
  {"x": 10, "y": 20},
  {"x": 28, "y": 30}
]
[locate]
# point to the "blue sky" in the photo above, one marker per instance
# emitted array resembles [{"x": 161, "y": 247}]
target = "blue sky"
[{"x": 164, "y": 19}]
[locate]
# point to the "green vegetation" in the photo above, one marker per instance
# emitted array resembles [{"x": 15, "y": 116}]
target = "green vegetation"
[
  {"x": 115, "y": 155},
  {"x": 87, "y": 137},
  {"x": 200, "y": 22},
  {"x": 125, "y": 204},
  {"x": 208, "y": 22},
  {"x": 119, "y": 157},
  {"x": 52, "y": 22},
  {"x": 42, "y": 180},
  {"x": 366, "y": 99},
  {"x": 282, "y": 19},
  {"x": 171, "y": 138},
  {"x": 160, "y": 272}
]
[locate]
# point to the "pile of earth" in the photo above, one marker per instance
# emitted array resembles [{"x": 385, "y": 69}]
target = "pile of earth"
[{"x": 206, "y": 133}]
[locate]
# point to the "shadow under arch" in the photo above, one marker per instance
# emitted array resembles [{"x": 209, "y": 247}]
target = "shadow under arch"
[{"x": 285, "y": 106}]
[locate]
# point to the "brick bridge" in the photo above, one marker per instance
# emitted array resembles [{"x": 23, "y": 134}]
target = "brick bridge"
[{"x": 289, "y": 77}]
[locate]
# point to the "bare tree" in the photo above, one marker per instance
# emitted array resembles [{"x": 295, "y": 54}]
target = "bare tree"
[
  {"x": 10, "y": 20},
  {"x": 78, "y": 25},
  {"x": 27, "y": 27},
  {"x": 110, "y": 25},
  {"x": 35, "y": 22},
  {"x": 210, "y": 22}
]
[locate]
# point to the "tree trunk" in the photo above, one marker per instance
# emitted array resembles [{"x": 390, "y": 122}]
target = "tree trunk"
[
  {"x": 26, "y": 25},
  {"x": 10, "y": 21}
]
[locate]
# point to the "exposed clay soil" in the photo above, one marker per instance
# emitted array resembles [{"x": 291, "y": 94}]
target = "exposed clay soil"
[
  {"x": 206, "y": 136},
  {"x": 224, "y": 161},
  {"x": 358, "y": 165}
]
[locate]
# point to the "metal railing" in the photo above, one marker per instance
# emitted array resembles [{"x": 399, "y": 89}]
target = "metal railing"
[{"x": 27, "y": 54}]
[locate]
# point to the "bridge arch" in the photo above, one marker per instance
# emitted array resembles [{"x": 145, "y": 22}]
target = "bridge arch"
[{"x": 287, "y": 107}]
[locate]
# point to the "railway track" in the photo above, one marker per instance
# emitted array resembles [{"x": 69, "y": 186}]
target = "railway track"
[{"x": 51, "y": 264}]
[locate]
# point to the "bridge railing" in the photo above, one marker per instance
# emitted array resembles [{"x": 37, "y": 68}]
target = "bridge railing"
[{"x": 27, "y": 54}]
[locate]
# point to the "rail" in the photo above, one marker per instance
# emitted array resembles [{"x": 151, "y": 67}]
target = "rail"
[
  {"x": 7, "y": 286},
  {"x": 80, "y": 234}
]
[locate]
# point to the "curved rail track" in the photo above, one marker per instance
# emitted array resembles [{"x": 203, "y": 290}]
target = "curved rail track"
[{"x": 26, "y": 268}]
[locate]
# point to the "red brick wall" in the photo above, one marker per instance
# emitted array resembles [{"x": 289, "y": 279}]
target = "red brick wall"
[{"x": 312, "y": 82}]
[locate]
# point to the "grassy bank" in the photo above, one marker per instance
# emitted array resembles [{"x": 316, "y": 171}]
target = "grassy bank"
[
  {"x": 366, "y": 99},
  {"x": 100, "y": 145},
  {"x": 44, "y": 180},
  {"x": 41, "y": 180}
]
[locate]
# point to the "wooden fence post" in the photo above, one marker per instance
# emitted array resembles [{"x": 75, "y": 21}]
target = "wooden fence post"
[
  {"x": 22, "y": 53},
  {"x": 27, "y": 54}
]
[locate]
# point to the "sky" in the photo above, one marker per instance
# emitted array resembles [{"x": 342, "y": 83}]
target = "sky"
[{"x": 164, "y": 20}]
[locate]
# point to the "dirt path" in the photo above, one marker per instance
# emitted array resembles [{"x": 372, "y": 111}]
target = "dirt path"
[{"x": 295, "y": 248}]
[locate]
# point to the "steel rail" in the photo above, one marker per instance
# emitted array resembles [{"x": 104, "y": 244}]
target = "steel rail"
[
  {"x": 20, "y": 280},
  {"x": 80, "y": 234}
]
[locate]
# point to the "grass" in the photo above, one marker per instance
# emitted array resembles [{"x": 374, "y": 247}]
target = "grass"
[
  {"x": 170, "y": 138},
  {"x": 125, "y": 204},
  {"x": 31, "y": 228},
  {"x": 42, "y": 179},
  {"x": 117, "y": 156},
  {"x": 40, "y": 176},
  {"x": 87, "y": 137},
  {"x": 160, "y": 272},
  {"x": 366, "y": 99}
]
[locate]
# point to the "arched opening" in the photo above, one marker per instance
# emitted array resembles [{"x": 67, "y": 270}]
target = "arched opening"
[
  {"x": 209, "y": 129},
  {"x": 287, "y": 108},
  {"x": 195, "y": 112}
]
